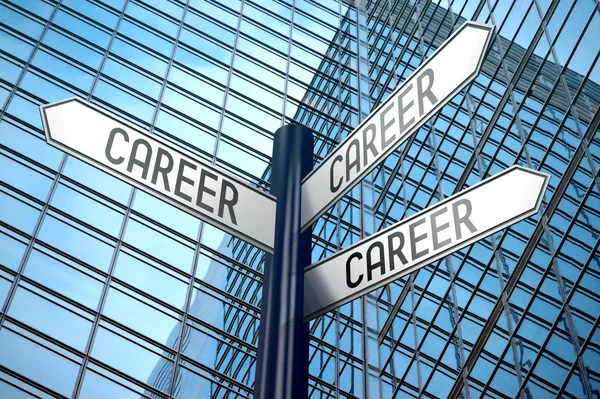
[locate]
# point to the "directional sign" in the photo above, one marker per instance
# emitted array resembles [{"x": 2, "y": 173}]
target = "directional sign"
[
  {"x": 453, "y": 65},
  {"x": 483, "y": 209},
  {"x": 161, "y": 169}
]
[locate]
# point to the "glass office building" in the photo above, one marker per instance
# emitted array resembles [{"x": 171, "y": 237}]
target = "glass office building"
[{"x": 106, "y": 291}]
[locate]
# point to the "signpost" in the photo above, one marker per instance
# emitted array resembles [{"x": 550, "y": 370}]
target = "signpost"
[
  {"x": 462, "y": 219},
  {"x": 178, "y": 177},
  {"x": 161, "y": 169},
  {"x": 453, "y": 65}
]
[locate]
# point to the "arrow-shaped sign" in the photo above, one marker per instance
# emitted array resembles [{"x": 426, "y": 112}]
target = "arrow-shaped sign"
[
  {"x": 154, "y": 165},
  {"x": 453, "y": 65},
  {"x": 483, "y": 209}
]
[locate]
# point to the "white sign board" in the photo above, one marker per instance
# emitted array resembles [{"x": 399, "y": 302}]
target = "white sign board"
[
  {"x": 483, "y": 209},
  {"x": 161, "y": 169},
  {"x": 453, "y": 65}
]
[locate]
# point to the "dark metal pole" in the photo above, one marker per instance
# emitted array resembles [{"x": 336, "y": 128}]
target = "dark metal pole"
[{"x": 282, "y": 363}]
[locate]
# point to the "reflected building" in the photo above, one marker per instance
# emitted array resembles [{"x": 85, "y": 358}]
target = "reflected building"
[
  {"x": 191, "y": 341},
  {"x": 159, "y": 304}
]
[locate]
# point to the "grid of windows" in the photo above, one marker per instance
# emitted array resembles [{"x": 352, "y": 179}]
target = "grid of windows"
[{"x": 107, "y": 291}]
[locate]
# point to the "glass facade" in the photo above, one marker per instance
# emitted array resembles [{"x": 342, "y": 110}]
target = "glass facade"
[{"x": 105, "y": 291}]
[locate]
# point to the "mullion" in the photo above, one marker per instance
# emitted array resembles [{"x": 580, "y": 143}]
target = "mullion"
[
  {"x": 401, "y": 33},
  {"x": 566, "y": 302},
  {"x": 546, "y": 105},
  {"x": 528, "y": 252},
  {"x": 510, "y": 85},
  {"x": 564, "y": 305},
  {"x": 566, "y": 116},
  {"x": 584, "y": 346}
]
